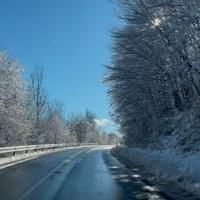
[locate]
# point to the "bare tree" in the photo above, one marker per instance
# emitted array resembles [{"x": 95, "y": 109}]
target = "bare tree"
[{"x": 39, "y": 104}]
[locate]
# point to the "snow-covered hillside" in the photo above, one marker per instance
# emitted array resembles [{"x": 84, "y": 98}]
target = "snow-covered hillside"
[{"x": 172, "y": 166}]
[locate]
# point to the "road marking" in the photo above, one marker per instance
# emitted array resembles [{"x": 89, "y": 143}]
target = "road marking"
[{"x": 29, "y": 191}]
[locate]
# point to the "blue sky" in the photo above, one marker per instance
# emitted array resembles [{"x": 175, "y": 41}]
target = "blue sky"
[{"x": 70, "y": 38}]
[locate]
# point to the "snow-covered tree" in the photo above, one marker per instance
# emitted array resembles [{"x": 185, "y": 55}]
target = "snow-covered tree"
[
  {"x": 83, "y": 127},
  {"x": 155, "y": 64},
  {"x": 14, "y": 126},
  {"x": 56, "y": 129}
]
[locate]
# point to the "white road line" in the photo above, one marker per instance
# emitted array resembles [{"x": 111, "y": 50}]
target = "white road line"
[{"x": 29, "y": 191}]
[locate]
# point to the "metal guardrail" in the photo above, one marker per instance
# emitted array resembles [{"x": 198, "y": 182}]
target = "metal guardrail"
[{"x": 12, "y": 151}]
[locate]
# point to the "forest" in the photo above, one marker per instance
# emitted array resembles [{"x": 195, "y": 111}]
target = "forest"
[
  {"x": 154, "y": 76},
  {"x": 27, "y": 116}
]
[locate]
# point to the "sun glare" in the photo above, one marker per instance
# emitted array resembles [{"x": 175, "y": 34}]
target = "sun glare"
[{"x": 156, "y": 22}]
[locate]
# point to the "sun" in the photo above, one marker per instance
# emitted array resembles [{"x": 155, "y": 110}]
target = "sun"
[{"x": 156, "y": 22}]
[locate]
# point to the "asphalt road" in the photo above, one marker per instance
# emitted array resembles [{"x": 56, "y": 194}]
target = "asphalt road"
[{"x": 74, "y": 174}]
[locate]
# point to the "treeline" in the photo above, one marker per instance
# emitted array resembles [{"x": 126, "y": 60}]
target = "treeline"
[
  {"x": 155, "y": 70},
  {"x": 27, "y": 116}
]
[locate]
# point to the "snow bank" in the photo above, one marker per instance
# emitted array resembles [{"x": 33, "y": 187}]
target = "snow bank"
[{"x": 168, "y": 165}]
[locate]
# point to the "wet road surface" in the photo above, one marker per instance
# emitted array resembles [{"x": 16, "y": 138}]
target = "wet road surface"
[{"x": 82, "y": 173}]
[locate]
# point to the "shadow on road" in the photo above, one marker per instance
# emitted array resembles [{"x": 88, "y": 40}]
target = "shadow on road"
[{"x": 130, "y": 181}]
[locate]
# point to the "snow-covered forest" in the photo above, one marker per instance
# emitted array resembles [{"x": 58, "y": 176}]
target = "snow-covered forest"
[
  {"x": 154, "y": 88},
  {"x": 154, "y": 77},
  {"x": 27, "y": 116}
]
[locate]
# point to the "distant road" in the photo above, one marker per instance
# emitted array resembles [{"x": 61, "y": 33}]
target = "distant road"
[{"x": 74, "y": 174}]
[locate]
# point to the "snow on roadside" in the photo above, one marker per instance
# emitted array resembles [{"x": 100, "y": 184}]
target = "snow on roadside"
[
  {"x": 19, "y": 157},
  {"x": 11, "y": 160},
  {"x": 168, "y": 165}
]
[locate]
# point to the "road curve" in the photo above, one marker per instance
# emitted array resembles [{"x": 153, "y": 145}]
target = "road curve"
[{"x": 74, "y": 174}]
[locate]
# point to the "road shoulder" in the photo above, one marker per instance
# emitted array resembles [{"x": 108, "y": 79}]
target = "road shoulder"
[{"x": 168, "y": 189}]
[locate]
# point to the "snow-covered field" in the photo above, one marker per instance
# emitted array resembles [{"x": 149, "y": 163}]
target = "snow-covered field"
[{"x": 168, "y": 165}]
